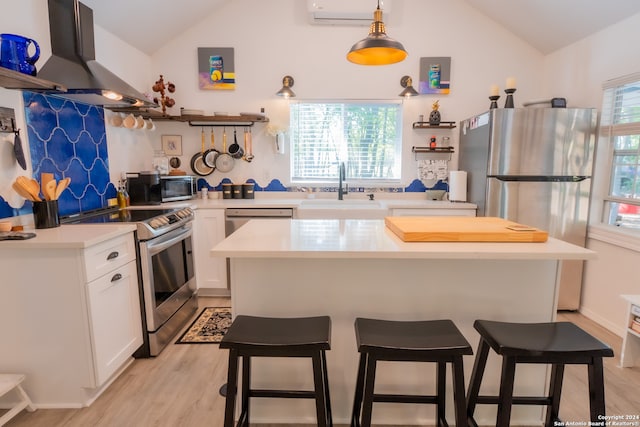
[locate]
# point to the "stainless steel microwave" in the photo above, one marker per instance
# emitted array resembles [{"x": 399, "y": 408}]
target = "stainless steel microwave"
[{"x": 146, "y": 189}]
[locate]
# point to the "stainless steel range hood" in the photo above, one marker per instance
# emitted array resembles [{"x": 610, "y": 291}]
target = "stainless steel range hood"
[{"x": 73, "y": 63}]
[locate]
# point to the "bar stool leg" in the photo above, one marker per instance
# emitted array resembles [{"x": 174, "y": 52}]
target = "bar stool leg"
[
  {"x": 232, "y": 388},
  {"x": 476, "y": 377},
  {"x": 327, "y": 397},
  {"x": 555, "y": 391},
  {"x": 320, "y": 392},
  {"x": 357, "y": 399},
  {"x": 369, "y": 384},
  {"x": 441, "y": 383},
  {"x": 505, "y": 400},
  {"x": 596, "y": 389},
  {"x": 246, "y": 385},
  {"x": 457, "y": 369}
]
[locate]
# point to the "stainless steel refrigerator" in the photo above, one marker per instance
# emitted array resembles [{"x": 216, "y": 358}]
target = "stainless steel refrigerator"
[{"x": 534, "y": 166}]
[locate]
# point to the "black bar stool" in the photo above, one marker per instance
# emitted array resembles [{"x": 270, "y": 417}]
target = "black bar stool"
[
  {"x": 437, "y": 341},
  {"x": 555, "y": 343},
  {"x": 250, "y": 336}
]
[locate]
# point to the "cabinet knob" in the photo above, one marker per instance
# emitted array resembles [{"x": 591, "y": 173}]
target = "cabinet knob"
[
  {"x": 113, "y": 255},
  {"x": 116, "y": 277}
]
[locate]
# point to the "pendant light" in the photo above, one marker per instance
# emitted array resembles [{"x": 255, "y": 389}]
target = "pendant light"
[{"x": 377, "y": 48}]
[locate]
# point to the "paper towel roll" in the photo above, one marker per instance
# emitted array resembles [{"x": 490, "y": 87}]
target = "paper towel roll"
[{"x": 458, "y": 186}]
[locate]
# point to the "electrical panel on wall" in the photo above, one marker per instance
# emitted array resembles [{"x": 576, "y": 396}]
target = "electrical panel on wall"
[{"x": 342, "y": 12}]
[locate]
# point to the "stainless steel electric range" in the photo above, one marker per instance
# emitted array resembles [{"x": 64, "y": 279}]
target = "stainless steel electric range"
[{"x": 165, "y": 268}]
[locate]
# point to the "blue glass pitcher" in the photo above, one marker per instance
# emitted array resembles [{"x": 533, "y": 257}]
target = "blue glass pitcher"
[{"x": 14, "y": 53}]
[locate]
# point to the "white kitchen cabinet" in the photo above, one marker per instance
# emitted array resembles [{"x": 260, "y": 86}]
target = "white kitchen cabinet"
[
  {"x": 70, "y": 315},
  {"x": 630, "y": 354},
  {"x": 115, "y": 319},
  {"x": 211, "y": 272}
]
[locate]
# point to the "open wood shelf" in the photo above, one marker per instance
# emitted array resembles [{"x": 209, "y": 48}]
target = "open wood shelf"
[
  {"x": 426, "y": 125},
  {"x": 435, "y": 153},
  {"x": 197, "y": 120},
  {"x": 10, "y": 79}
]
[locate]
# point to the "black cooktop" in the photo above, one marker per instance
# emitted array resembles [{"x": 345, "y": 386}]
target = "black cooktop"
[{"x": 115, "y": 215}]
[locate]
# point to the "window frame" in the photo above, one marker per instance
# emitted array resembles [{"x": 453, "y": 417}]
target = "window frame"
[
  {"x": 609, "y": 131},
  {"x": 353, "y": 181}
]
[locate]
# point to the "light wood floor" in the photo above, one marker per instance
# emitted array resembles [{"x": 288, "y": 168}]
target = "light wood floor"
[{"x": 180, "y": 388}]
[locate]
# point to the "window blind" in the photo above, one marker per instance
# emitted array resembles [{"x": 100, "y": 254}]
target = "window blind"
[{"x": 366, "y": 136}]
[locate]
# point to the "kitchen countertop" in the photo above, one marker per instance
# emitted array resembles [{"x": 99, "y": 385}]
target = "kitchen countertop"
[
  {"x": 70, "y": 236},
  {"x": 314, "y": 239},
  {"x": 285, "y": 202}
]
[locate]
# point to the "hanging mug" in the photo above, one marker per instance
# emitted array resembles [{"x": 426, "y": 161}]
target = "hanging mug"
[{"x": 14, "y": 53}]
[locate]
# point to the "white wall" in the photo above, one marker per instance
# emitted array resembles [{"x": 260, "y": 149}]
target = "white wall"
[
  {"x": 578, "y": 72},
  {"x": 276, "y": 39}
]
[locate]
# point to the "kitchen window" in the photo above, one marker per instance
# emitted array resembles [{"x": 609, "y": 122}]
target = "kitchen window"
[
  {"x": 620, "y": 131},
  {"x": 365, "y": 135}
]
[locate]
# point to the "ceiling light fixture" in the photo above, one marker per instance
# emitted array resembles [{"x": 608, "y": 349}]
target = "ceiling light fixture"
[
  {"x": 407, "y": 83},
  {"x": 377, "y": 48},
  {"x": 287, "y": 83}
]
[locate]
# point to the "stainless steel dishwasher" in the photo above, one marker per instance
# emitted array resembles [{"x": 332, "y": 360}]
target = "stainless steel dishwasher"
[{"x": 235, "y": 218}]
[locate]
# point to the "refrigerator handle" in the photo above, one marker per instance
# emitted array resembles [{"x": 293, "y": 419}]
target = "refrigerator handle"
[{"x": 534, "y": 178}]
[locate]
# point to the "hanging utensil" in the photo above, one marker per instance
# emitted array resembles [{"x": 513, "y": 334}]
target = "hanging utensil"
[
  {"x": 209, "y": 157},
  {"x": 224, "y": 162},
  {"x": 234, "y": 149},
  {"x": 18, "y": 152},
  {"x": 197, "y": 161},
  {"x": 250, "y": 146}
]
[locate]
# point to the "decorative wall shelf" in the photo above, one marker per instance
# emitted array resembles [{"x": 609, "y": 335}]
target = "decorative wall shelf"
[
  {"x": 436, "y": 153},
  {"x": 198, "y": 120},
  {"x": 10, "y": 79},
  {"x": 426, "y": 125}
]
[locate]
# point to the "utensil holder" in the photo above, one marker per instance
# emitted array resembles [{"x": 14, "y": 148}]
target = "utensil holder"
[{"x": 45, "y": 214}]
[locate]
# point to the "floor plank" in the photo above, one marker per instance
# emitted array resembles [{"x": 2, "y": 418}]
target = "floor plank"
[{"x": 179, "y": 388}]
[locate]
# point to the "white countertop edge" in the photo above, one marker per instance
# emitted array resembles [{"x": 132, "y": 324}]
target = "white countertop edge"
[
  {"x": 463, "y": 255},
  {"x": 70, "y": 236},
  {"x": 371, "y": 239}
]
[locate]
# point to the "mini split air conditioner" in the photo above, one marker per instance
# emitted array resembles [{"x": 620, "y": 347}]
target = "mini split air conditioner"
[{"x": 345, "y": 12}]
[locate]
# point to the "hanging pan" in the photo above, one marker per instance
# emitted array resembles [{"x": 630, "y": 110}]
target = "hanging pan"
[
  {"x": 198, "y": 165},
  {"x": 224, "y": 162},
  {"x": 209, "y": 157}
]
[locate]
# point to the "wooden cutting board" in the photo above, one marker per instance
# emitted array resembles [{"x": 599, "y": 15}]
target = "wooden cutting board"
[{"x": 462, "y": 229}]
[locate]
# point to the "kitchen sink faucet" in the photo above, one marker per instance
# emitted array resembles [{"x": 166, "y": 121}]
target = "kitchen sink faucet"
[{"x": 341, "y": 177}]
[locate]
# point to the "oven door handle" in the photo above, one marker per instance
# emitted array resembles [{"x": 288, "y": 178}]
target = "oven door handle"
[{"x": 168, "y": 241}]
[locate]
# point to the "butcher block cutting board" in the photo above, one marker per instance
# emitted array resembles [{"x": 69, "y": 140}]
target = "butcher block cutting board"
[{"x": 462, "y": 229}]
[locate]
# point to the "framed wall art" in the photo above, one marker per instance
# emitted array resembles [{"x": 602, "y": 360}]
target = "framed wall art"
[
  {"x": 435, "y": 75},
  {"x": 216, "y": 68},
  {"x": 172, "y": 145}
]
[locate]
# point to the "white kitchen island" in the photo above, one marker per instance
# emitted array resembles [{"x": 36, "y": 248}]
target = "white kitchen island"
[{"x": 359, "y": 268}]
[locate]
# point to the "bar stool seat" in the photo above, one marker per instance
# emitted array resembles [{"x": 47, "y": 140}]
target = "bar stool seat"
[
  {"x": 554, "y": 343},
  {"x": 252, "y": 336},
  {"x": 437, "y": 341}
]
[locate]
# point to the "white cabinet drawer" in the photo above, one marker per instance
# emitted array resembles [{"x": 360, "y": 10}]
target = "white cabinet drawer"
[{"x": 108, "y": 255}]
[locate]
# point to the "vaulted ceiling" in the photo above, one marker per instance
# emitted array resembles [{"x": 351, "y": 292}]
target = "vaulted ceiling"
[{"x": 547, "y": 25}]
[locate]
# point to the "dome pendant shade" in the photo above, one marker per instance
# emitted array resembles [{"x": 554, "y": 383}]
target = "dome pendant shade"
[{"x": 377, "y": 48}]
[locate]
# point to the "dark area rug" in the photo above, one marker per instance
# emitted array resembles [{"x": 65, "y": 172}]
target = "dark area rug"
[{"x": 208, "y": 328}]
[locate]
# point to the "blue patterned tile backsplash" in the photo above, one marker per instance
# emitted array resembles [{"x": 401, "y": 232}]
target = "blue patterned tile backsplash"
[{"x": 68, "y": 139}]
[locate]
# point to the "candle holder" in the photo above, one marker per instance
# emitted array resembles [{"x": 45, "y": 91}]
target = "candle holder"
[
  {"x": 508, "y": 103},
  {"x": 494, "y": 101}
]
